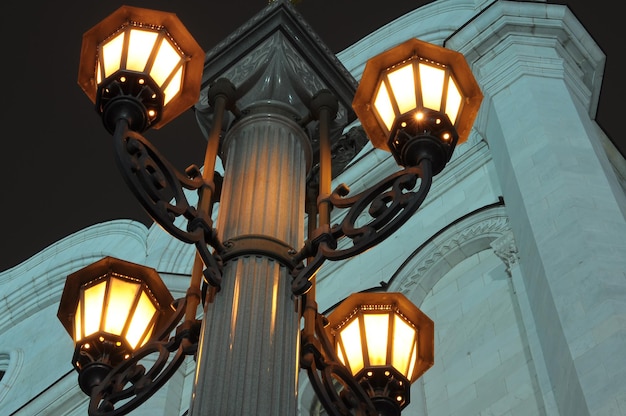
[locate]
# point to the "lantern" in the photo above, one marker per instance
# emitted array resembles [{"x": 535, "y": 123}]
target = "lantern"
[
  {"x": 417, "y": 100},
  {"x": 386, "y": 342},
  {"x": 111, "y": 308},
  {"x": 142, "y": 64}
]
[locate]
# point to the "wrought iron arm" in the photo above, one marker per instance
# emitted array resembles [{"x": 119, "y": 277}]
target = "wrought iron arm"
[
  {"x": 158, "y": 186},
  {"x": 130, "y": 383},
  {"x": 389, "y": 203}
]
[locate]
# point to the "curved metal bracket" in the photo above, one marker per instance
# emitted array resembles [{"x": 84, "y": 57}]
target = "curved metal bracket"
[
  {"x": 262, "y": 245},
  {"x": 389, "y": 204},
  {"x": 159, "y": 187},
  {"x": 131, "y": 384}
]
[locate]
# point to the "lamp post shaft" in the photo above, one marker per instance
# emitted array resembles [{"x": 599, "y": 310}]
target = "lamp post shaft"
[{"x": 248, "y": 352}]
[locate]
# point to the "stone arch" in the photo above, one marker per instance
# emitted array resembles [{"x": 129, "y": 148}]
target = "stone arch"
[
  {"x": 485, "y": 229},
  {"x": 471, "y": 234}
]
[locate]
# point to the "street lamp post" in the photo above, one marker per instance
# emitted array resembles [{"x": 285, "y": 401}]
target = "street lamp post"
[{"x": 276, "y": 101}]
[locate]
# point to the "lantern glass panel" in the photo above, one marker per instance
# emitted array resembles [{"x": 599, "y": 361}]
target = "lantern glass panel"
[
  {"x": 173, "y": 87},
  {"x": 376, "y": 334},
  {"x": 383, "y": 106},
  {"x": 142, "y": 318},
  {"x": 453, "y": 100},
  {"x": 121, "y": 298},
  {"x": 112, "y": 55},
  {"x": 78, "y": 322},
  {"x": 140, "y": 46},
  {"x": 166, "y": 61},
  {"x": 431, "y": 83},
  {"x": 402, "y": 82},
  {"x": 412, "y": 364},
  {"x": 403, "y": 345},
  {"x": 352, "y": 345},
  {"x": 98, "y": 74},
  {"x": 93, "y": 302}
]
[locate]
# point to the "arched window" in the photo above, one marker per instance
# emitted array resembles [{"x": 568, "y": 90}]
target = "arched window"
[{"x": 10, "y": 364}]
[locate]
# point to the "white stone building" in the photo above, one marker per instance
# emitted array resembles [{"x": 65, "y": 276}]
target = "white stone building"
[{"x": 518, "y": 253}]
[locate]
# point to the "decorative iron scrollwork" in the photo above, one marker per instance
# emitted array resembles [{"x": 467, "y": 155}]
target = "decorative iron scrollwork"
[
  {"x": 389, "y": 204},
  {"x": 159, "y": 187},
  {"x": 130, "y": 384}
]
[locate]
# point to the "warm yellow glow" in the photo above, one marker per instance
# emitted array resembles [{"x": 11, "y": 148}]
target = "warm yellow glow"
[
  {"x": 94, "y": 299},
  {"x": 140, "y": 321},
  {"x": 149, "y": 53},
  {"x": 412, "y": 362},
  {"x": 378, "y": 325},
  {"x": 453, "y": 101},
  {"x": 166, "y": 61},
  {"x": 402, "y": 82},
  {"x": 352, "y": 345},
  {"x": 382, "y": 333},
  {"x": 98, "y": 74},
  {"x": 431, "y": 82},
  {"x": 174, "y": 86},
  {"x": 376, "y": 334},
  {"x": 403, "y": 345},
  {"x": 78, "y": 322},
  {"x": 112, "y": 54},
  {"x": 121, "y": 298},
  {"x": 140, "y": 46},
  {"x": 383, "y": 106}
]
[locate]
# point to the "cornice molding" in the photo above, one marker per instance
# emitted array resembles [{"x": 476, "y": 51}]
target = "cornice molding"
[{"x": 511, "y": 39}]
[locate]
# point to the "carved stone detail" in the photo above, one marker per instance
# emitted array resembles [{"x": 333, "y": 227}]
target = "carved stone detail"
[
  {"x": 506, "y": 249},
  {"x": 430, "y": 262}
]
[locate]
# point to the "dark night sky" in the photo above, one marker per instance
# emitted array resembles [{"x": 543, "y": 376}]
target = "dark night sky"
[{"x": 57, "y": 167}]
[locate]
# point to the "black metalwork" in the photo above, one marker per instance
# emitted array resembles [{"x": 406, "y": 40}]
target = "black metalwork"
[
  {"x": 389, "y": 203},
  {"x": 337, "y": 390},
  {"x": 131, "y": 95},
  {"x": 423, "y": 133},
  {"x": 261, "y": 245},
  {"x": 159, "y": 187},
  {"x": 130, "y": 384},
  {"x": 388, "y": 389}
]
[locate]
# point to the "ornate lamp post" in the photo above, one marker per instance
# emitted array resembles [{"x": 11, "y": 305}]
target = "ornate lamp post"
[{"x": 275, "y": 100}]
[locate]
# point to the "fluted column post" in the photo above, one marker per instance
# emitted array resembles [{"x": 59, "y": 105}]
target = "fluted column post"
[{"x": 247, "y": 359}]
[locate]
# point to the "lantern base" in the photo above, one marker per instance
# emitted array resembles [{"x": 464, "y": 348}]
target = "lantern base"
[
  {"x": 91, "y": 375},
  {"x": 388, "y": 389},
  {"x": 95, "y": 356},
  {"x": 423, "y": 134},
  {"x": 386, "y": 406},
  {"x": 131, "y": 96}
]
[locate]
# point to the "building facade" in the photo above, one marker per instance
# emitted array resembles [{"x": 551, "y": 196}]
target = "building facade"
[{"x": 517, "y": 254}]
